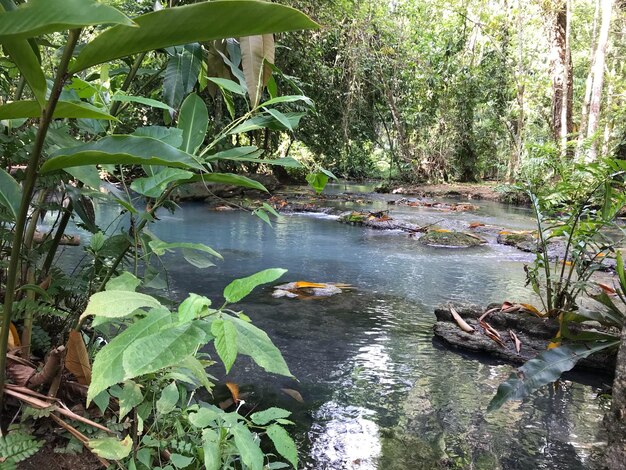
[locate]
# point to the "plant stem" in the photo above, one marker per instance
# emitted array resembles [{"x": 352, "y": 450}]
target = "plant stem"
[
  {"x": 127, "y": 81},
  {"x": 27, "y": 193}
]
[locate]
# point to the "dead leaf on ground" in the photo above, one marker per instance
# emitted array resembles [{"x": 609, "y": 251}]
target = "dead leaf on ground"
[
  {"x": 532, "y": 309},
  {"x": 77, "y": 358},
  {"x": 516, "y": 340},
  {"x": 293, "y": 394},
  {"x": 459, "y": 321},
  {"x": 234, "y": 391}
]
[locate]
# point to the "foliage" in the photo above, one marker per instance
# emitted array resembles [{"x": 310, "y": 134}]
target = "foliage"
[{"x": 16, "y": 446}]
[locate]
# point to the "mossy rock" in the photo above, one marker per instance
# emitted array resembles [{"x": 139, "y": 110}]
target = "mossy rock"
[
  {"x": 523, "y": 241},
  {"x": 451, "y": 239},
  {"x": 353, "y": 218}
]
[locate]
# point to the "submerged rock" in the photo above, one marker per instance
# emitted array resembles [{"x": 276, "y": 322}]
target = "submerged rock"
[
  {"x": 525, "y": 241},
  {"x": 534, "y": 334},
  {"x": 378, "y": 221},
  {"x": 450, "y": 239}
]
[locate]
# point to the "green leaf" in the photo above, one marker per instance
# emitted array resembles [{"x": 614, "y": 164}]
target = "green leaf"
[
  {"x": 288, "y": 99},
  {"x": 255, "y": 52},
  {"x": 181, "y": 73},
  {"x": 162, "y": 349},
  {"x": 111, "y": 448},
  {"x": 21, "y": 52},
  {"x": 228, "y": 85},
  {"x": 317, "y": 181},
  {"x": 108, "y": 367},
  {"x": 239, "y": 288},
  {"x": 181, "y": 461},
  {"x": 225, "y": 342},
  {"x": 141, "y": 100},
  {"x": 155, "y": 186},
  {"x": 10, "y": 193},
  {"x": 280, "y": 117},
  {"x": 287, "y": 162},
  {"x": 124, "y": 282},
  {"x": 619, "y": 267},
  {"x": 255, "y": 343},
  {"x": 542, "y": 370},
  {"x": 16, "y": 446},
  {"x": 120, "y": 150},
  {"x": 283, "y": 443},
  {"x": 236, "y": 152},
  {"x": 263, "y": 417},
  {"x": 117, "y": 303},
  {"x": 228, "y": 178},
  {"x": 250, "y": 452},
  {"x": 87, "y": 174},
  {"x": 64, "y": 110},
  {"x": 194, "y": 122},
  {"x": 193, "y": 307},
  {"x": 37, "y": 17},
  {"x": 129, "y": 397},
  {"x": 197, "y": 258},
  {"x": 200, "y": 22},
  {"x": 211, "y": 450},
  {"x": 160, "y": 247},
  {"x": 168, "y": 400},
  {"x": 205, "y": 416},
  {"x": 170, "y": 135},
  {"x": 270, "y": 122},
  {"x": 198, "y": 371}
]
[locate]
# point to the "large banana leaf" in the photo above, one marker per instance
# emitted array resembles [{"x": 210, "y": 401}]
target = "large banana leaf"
[
  {"x": 199, "y": 22},
  {"x": 194, "y": 121},
  {"x": 228, "y": 178},
  {"x": 26, "y": 109},
  {"x": 544, "y": 369},
  {"x": 255, "y": 51},
  {"x": 26, "y": 61},
  {"x": 181, "y": 73},
  {"x": 121, "y": 150},
  {"x": 38, "y": 17}
]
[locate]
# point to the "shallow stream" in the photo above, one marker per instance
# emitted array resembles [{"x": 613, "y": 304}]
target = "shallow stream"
[{"x": 379, "y": 392}]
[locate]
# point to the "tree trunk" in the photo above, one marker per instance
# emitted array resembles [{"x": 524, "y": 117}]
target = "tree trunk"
[
  {"x": 598, "y": 78},
  {"x": 582, "y": 131},
  {"x": 615, "y": 420},
  {"x": 562, "y": 76}
]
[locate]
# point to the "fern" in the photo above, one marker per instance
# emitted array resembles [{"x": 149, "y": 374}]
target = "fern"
[{"x": 17, "y": 446}]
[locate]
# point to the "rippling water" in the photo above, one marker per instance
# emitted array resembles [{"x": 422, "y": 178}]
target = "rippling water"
[{"x": 379, "y": 392}]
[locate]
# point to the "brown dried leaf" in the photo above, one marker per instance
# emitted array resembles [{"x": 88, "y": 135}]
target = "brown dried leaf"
[
  {"x": 516, "y": 340},
  {"x": 459, "y": 321},
  {"x": 234, "y": 391},
  {"x": 20, "y": 373},
  {"x": 51, "y": 368},
  {"x": 293, "y": 394},
  {"x": 77, "y": 358}
]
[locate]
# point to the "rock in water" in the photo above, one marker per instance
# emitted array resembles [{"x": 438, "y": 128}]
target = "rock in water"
[{"x": 449, "y": 239}]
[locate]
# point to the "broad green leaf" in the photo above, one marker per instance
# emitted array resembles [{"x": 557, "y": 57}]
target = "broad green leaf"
[
  {"x": 168, "y": 399},
  {"x": 124, "y": 282},
  {"x": 10, "y": 193},
  {"x": 120, "y": 150},
  {"x": 239, "y": 288},
  {"x": 155, "y": 186},
  {"x": 181, "y": 74},
  {"x": 162, "y": 349},
  {"x": 193, "y": 307},
  {"x": 194, "y": 122},
  {"x": 21, "y": 52},
  {"x": 225, "y": 342},
  {"x": 108, "y": 367},
  {"x": 619, "y": 267},
  {"x": 250, "y": 452},
  {"x": 199, "y": 259},
  {"x": 255, "y": 343},
  {"x": 544, "y": 369},
  {"x": 160, "y": 247},
  {"x": 287, "y": 162},
  {"x": 228, "y": 178},
  {"x": 255, "y": 51},
  {"x": 317, "y": 181},
  {"x": 205, "y": 416},
  {"x": 83, "y": 89},
  {"x": 37, "y": 17},
  {"x": 111, "y": 447},
  {"x": 236, "y": 152},
  {"x": 200, "y": 22},
  {"x": 198, "y": 371},
  {"x": 64, "y": 110},
  {"x": 263, "y": 417},
  {"x": 117, "y": 303},
  {"x": 170, "y": 135},
  {"x": 228, "y": 85},
  {"x": 181, "y": 461},
  {"x": 211, "y": 450},
  {"x": 141, "y": 100},
  {"x": 129, "y": 396},
  {"x": 280, "y": 117},
  {"x": 265, "y": 121},
  {"x": 283, "y": 443},
  {"x": 288, "y": 99},
  {"x": 87, "y": 174}
]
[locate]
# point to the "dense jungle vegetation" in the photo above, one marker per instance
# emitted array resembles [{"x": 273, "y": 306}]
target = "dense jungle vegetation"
[{"x": 152, "y": 96}]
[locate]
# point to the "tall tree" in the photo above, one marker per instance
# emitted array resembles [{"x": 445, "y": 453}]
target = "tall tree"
[{"x": 598, "y": 78}]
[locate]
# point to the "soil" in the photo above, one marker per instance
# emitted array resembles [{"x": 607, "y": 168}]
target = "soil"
[{"x": 47, "y": 459}]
